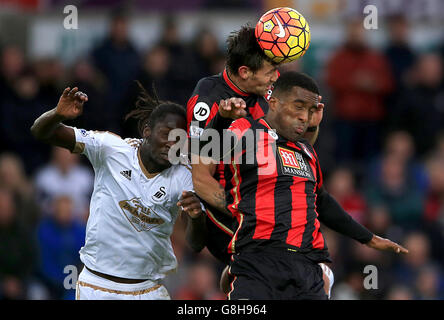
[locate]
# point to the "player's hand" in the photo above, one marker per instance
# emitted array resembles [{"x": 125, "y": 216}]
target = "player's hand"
[
  {"x": 386, "y": 245},
  {"x": 233, "y": 108},
  {"x": 70, "y": 104},
  {"x": 317, "y": 116},
  {"x": 190, "y": 204}
]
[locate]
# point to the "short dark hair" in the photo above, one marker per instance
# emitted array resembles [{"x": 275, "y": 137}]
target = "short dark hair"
[
  {"x": 150, "y": 110},
  {"x": 244, "y": 50},
  {"x": 290, "y": 79}
]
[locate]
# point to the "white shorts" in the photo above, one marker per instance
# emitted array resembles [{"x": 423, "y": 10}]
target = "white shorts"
[
  {"x": 92, "y": 287},
  {"x": 331, "y": 278}
]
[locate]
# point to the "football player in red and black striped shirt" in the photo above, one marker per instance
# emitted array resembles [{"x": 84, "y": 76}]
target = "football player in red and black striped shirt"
[
  {"x": 279, "y": 200},
  {"x": 249, "y": 75}
]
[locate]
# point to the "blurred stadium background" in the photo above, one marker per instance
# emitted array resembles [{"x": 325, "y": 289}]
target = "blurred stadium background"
[{"x": 381, "y": 142}]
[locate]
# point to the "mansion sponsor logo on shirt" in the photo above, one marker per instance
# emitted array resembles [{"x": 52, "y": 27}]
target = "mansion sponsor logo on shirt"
[
  {"x": 139, "y": 215},
  {"x": 293, "y": 164}
]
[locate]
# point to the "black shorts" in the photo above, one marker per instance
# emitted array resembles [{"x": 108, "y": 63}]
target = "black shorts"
[{"x": 275, "y": 274}]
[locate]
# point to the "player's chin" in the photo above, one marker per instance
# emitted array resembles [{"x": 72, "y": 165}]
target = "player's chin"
[
  {"x": 263, "y": 91},
  {"x": 162, "y": 159},
  {"x": 295, "y": 136}
]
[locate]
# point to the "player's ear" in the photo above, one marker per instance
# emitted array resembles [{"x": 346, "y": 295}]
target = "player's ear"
[
  {"x": 244, "y": 72},
  {"x": 146, "y": 132},
  {"x": 272, "y": 103}
]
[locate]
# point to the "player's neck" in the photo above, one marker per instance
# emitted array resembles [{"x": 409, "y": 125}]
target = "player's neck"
[{"x": 270, "y": 121}]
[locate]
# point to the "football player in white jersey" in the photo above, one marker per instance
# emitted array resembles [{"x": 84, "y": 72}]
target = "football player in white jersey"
[{"x": 136, "y": 198}]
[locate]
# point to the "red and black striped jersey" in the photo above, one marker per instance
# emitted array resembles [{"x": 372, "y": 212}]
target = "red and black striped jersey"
[
  {"x": 274, "y": 196},
  {"x": 202, "y": 108}
]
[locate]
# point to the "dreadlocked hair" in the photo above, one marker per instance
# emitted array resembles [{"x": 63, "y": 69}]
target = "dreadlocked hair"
[{"x": 149, "y": 109}]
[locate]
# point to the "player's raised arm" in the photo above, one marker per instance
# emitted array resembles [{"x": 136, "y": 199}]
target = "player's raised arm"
[{"x": 48, "y": 127}]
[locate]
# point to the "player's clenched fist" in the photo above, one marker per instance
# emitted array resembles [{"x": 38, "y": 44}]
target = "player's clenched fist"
[
  {"x": 71, "y": 102},
  {"x": 233, "y": 108},
  {"x": 190, "y": 204}
]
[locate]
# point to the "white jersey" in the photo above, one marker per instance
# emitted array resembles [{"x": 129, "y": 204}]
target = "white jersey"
[{"x": 132, "y": 212}]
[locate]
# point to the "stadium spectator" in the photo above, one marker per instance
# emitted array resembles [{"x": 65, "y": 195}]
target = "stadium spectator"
[
  {"x": 60, "y": 238},
  {"x": 13, "y": 178},
  {"x": 429, "y": 284},
  {"x": 399, "y": 292},
  {"x": 17, "y": 253},
  {"x": 18, "y": 110},
  {"x": 359, "y": 78},
  {"x": 12, "y": 62},
  {"x": 399, "y": 52},
  {"x": 183, "y": 75},
  {"x": 155, "y": 71},
  {"x": 420, "y": 108},
  {"x": 65, "y": 176},
  {"x": 201, "y": 283},
  {"x": 400, "y": 144},
  {"x": 50, "y": 74},
  {"x": 434, "y": 207},
  {"x": 88, "y": 79},
  {"x": 408, "y": 269},
  {"x": 393, "y": 189},
  {"x": 378, "y": 219},
  {"x": 118, "y": 60},
  {"x": 349, "y": 289},
  {"x": 434, "y": 204},
  {"x": 341, "y": 185},
  {"x": 205, "y": 51}
]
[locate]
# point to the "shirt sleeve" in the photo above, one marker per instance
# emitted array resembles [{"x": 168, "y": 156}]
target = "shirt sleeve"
[
  {"x": 95, "y": 145},
  {"x": 201, "y": 107}
]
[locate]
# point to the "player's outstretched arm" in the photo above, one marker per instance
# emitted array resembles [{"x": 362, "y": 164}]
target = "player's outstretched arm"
[{"x": 48, "y": 127}]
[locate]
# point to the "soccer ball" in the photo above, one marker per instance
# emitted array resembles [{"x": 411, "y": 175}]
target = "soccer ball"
[{"x": 283, "y": 34}]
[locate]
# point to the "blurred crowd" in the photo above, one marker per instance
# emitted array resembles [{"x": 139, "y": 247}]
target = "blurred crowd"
[{"x": 381, "y": 145}]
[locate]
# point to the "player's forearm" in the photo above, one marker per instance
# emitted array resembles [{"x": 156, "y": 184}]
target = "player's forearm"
[
  {"x": 196, "y": 232},
  {"x": 211, "y": 191},
  {"x": 48, "y": 128},
  {"x": 219, "y": 122},
  {"x": 334, "y": 217},
  {"x": 45, "y": 125}
]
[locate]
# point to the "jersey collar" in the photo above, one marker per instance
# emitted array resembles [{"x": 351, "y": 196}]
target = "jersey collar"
[{"x": 232, "y": 85}]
